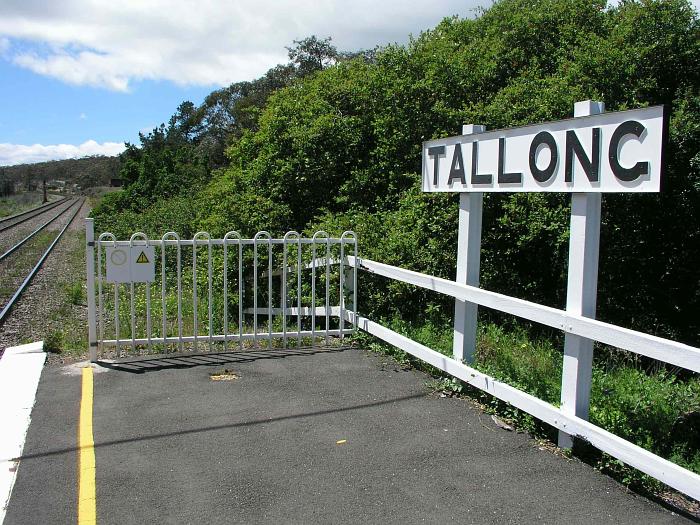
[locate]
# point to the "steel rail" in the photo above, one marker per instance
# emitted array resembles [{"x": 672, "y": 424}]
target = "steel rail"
[
  {"x": 34, "y": 212},
  {"x": 20, "y": 243},
  {"x": 6, "y": 309}
]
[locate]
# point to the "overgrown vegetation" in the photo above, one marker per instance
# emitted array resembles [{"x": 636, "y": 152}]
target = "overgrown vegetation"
[
  {"x": 12, "y": 204},
  {"x": 331, "y": 141}
]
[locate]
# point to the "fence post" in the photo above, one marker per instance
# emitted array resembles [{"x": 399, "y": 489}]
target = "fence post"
[
  {"x": 90, "y": 275},
  {"x": 582, "y": 287},
  {"x": 468, "y": 260}
]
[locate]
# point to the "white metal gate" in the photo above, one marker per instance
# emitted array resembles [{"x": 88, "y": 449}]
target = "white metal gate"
[{"x": 207, "y": 291}]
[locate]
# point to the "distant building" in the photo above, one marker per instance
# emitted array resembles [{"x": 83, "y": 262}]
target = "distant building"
[{"x": 56, "y": 184}]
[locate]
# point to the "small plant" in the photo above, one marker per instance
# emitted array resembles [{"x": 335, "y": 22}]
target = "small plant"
[
  {"x": 447, "y": 386},
  {"x": 75, "y": 293},
  {"x": 54, "y": 342}
]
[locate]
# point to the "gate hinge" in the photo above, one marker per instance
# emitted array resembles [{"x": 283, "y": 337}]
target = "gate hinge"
[
  {"x": 91, "y": 243},
  {"x": 94, "y": 343}
]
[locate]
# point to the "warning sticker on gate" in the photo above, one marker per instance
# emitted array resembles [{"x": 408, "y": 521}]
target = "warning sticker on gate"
[{"x": 130, "y": 264}]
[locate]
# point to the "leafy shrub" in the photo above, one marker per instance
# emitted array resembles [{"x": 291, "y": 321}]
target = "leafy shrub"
[
  {"x": 75, "y": 293},
  {"x": 53, "y": 342}
]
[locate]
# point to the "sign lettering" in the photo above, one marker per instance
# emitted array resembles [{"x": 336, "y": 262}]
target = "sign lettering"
[{"x": 607, "y": 152}]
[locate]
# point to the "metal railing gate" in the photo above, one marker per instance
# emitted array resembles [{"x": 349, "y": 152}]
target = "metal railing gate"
[{"x": 205, "y": 291}]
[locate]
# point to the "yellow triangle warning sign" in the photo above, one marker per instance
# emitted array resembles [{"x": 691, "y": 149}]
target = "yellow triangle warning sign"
[{"x": 142, "y": 259}]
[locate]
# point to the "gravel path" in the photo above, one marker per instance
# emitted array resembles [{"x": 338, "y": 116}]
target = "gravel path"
[{"x": 44, "y": 307}]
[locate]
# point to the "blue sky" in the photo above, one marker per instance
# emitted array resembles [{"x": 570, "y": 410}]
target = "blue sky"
[
  {"x": 81, "y": 77},
  {"x": 43, "y": 110}
]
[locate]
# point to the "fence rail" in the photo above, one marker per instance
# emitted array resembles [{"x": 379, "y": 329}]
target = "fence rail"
[
  {"x": 671, "y": 352},
  {"x": 662, "y": 349}
]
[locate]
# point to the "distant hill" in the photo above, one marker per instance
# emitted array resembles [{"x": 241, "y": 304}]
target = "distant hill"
[{"x": 86, "y": 172}]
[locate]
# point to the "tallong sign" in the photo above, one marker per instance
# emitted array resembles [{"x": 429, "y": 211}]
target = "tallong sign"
[
  {"x": 591, "y": 154},
  {"x": 606, "y": 152}
]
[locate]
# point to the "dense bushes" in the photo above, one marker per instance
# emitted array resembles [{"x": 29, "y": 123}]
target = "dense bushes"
[{"x": 340, "y": 149}]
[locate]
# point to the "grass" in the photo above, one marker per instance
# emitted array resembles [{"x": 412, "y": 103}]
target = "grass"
[
  {"x": 75, "y": 292},
  {"x": 647, "y": 405},
  {"x": 20, "y": 202},
  {"x": 53, "y": 342}
]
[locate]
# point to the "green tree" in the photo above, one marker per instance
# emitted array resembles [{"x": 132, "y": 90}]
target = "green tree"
[{"x": 312, "y": 54}]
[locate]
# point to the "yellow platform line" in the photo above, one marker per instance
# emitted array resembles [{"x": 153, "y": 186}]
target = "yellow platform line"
[{"x": 87, "y": 512}]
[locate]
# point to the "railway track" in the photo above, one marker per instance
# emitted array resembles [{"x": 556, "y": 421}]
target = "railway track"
[
  {"x": 71, "y": 211},
  {"x": 17, "y": 245},
  {"x": 10, "y": 222}
]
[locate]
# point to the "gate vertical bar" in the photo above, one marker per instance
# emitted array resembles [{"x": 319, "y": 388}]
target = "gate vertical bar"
[
  {"x": 163, "y": 304},
  {"x": 287, "y": 240},
  {"x": 132, "y": 306},
  {"x": 283, "y": 291},
  {"x": 179, "y": 296},
  {"x": 299, "y": 268},
  {"x": 314, "y": 240},
  {"x": 328, "y": 287},
  {"x": 468, "y": 262},
  {"x": 354, "y": 290},
  {"x": 255, "y": 291},
  {"x": 582, "y": 287},
  {"x": 227, "y": 238},
  {"x": 90, "y": 275},
  {"x": 269, "y": 293},
  {"x": 195, "y": 299},
  {"x": 240, "y": 294},
  {"x": 341, "y": 287},
  {"x": 209, "y": 294},
  {"x": 313, "y": 291},
  {"x": 100, "y": 299}
]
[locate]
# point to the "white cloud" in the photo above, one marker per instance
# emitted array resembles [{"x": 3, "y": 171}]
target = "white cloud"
[
  {"x": 83, "y": 116},
  {"x": 208, "y": 42},
  {"x": 11, "y": 154}
]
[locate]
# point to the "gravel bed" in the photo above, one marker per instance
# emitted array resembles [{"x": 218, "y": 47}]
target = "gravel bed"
[
  {"x": 35, "y": 315},
  {"x": 12, "y": 236},
  {"x": 14, "y": 268}
]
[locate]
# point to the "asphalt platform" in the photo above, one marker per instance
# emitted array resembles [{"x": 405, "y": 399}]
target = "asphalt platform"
[{"x": 297, "y": 436}]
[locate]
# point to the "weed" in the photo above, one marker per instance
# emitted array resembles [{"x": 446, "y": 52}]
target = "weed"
[
  {"x": 75, "y": 293},
  {"x": 54, "y": 341}
]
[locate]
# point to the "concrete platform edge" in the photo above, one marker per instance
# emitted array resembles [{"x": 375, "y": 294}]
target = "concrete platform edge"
[{"x": 20, "y": 371}]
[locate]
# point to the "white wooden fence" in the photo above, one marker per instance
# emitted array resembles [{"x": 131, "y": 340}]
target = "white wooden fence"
[{"x": 658, "y": 348}]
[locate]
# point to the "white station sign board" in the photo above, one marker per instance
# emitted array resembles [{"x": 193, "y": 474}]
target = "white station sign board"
[
  {"x": 607, "y": 152},
  {"x": 130, "y": 264}
]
